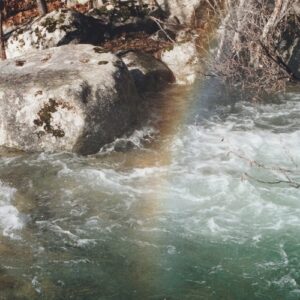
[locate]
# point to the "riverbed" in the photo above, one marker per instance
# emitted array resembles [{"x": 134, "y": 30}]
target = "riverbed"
[{"x": 200, "y": 202}]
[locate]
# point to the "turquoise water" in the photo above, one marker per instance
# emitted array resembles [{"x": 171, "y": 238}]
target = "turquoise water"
[{"x": 192, "y": 211}]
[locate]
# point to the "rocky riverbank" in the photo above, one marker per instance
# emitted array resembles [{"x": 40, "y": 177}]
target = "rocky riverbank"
[{"x": 74, "y": 79}]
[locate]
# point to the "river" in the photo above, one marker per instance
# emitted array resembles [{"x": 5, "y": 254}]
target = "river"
[{"x": 201, "y": 202}]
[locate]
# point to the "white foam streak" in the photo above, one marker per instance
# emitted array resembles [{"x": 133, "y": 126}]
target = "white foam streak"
[{"x": 10, "y": 219}]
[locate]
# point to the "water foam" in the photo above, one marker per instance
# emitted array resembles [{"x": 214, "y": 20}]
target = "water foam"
[
  {"x": 136, "y": 140},
  {"x": 10, "y": 219},
  {"x": 226, "y": 165}
]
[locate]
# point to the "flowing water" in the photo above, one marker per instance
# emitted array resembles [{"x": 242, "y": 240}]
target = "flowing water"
[{"x": 203, "y": 204}]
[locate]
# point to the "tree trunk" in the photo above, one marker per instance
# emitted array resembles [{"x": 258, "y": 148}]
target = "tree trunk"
[
  {"x": 272, "y": 20},
  {"x": 239, "y": 18},
  {"x": 223, "y": 27},
  {"x": 2, "y": 42},
  {"x": 42, "y": 7}
]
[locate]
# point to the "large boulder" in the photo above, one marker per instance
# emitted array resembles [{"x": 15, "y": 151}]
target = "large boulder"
[
  {"x": 183, "y": 60},
  {"x": 71, "y": 98},
  {"x": 149, "y": 74},
  {"x": 55, "y": 29}
]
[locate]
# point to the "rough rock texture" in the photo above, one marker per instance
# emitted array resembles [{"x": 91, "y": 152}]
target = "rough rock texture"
[
  {"x": 55, "y": 29},
  {"x": 184, "y": 10},
  {"x": 183, "y": 60},
  {"x": 70, "y": 98},
  {"x": 149, "y": 74}
]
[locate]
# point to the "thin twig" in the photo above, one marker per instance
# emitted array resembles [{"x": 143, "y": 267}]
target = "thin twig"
[
  {"x": 159, "y": 22},
  {"x": 260, "y": 165},
  {"x": 291, "y": 183}
]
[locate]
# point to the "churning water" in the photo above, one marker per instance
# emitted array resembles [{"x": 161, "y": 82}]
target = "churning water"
[{"x": 203, "y": 204}]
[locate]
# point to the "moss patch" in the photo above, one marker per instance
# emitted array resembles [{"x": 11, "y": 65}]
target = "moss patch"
[
  {"x": 45, "y": 117},
  {"x": 50, "y": 24}
]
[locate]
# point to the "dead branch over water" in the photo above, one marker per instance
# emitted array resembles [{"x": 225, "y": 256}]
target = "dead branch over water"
[
  {"x": 276, "y": 171},
  {"x": 255, "y": 42}
]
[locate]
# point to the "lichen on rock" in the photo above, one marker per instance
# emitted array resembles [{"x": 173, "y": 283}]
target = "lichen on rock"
[
  {"x": 55, "y": 29},
  {"x": 44, "y": 117}
]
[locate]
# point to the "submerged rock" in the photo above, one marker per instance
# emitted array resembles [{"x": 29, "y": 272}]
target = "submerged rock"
[
  {"x": 71, "y": 98},
  {"x": 55, "y": 29},
  {"x": 183, "y": 60},
  {"x": 149, "y": 74}
]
